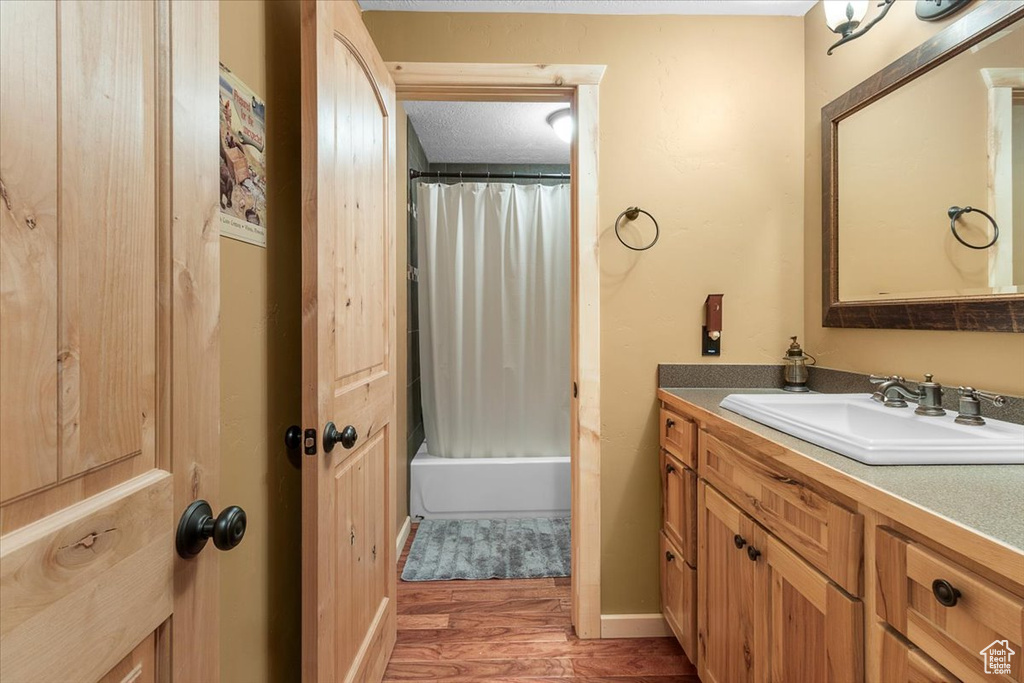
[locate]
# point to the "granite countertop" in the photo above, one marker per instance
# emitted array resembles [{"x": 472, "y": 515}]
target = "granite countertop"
[{"x": 988, "y": 499}]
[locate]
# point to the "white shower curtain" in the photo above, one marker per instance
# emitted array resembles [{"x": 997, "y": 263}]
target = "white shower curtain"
[{"x": 494, "y": 294}]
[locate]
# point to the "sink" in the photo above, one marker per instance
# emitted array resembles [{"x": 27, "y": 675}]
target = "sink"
[{"x": 860, "y": 428}]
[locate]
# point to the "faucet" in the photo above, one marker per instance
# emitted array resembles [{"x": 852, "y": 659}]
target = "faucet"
[
  {"x": 892, "y": 392},
  {"x": 970, "y": 406}
]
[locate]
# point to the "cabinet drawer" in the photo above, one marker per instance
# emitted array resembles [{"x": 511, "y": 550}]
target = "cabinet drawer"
[
  {"x": 679, "y": 505},
  {"x": 823, "y": 532},
  {"x": 679, "y": 597},
  {"x": 914, "y": 582},
  {"x": 679, "y": 437},
  {"x": 902, "y": 662}
]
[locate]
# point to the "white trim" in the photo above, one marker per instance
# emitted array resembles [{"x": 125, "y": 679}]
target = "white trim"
[
  {"x": 634, "y": 626},
  {"x": 403, "y": 536}
]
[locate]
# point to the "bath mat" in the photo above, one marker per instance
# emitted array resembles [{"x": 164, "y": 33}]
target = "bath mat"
[{"x": 445, "y": 549}]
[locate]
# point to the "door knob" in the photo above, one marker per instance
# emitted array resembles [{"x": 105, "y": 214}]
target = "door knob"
[
  {"x": 347, "y": 437},
  {"x": 198, "y": 524},
  {"x": 293, "y": 438}
]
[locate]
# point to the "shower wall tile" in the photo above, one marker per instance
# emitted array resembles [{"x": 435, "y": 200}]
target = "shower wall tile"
[{"x": 418, "y": 161}]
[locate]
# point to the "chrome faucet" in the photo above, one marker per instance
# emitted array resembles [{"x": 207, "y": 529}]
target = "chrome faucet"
[
  {"x": 892, "y": 392},
  {"x": 970, "y": 406}
]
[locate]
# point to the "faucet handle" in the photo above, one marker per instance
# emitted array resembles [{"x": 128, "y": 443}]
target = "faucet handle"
[
  {"x": 970, "y": 406},
  {"x": 881, "y": 379},
  {"x": 995, "y": 399}
]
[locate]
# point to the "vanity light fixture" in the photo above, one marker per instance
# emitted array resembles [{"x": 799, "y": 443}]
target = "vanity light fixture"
[
  {"x": 561, "y": 122},
  {"x": 845, "y": 16}
]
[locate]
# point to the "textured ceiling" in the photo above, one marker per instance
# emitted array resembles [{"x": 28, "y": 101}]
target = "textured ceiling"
[
  {"x": 487, "y": 132},
  {"x": 795, "y": 8}
]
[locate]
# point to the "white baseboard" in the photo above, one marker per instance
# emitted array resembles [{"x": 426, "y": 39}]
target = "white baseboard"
[
  {"x": 403, "y": 536},
  {"x": 634, "y": 626}
]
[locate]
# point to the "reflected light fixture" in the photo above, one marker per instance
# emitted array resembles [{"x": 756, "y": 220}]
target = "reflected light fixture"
[
  {"x": 561, "y": 122},
  {"x": 846, "y": 16}
]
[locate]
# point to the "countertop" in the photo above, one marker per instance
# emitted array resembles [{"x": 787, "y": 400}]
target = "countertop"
[{"x": 987, "y": 499}]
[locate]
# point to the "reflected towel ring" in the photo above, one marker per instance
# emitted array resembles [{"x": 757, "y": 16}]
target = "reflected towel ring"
[
  {"x": 955, "y": 212},
  {"x": 631, "y": 214}
]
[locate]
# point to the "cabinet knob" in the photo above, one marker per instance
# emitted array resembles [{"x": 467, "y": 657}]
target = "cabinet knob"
[
  {"x": 945, "y": 593},
  {"x": 669, "y": 556},
  {"x": 753, "y": 553},
  {"x": 669, "y": 468},
  {"x": 739, "y": 541},
  {"x": 670, "y": 423}
]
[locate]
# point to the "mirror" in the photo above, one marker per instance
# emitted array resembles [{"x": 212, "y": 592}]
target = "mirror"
[{"x": 904, "y": 154}]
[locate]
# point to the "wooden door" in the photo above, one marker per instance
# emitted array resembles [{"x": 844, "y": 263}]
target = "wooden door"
[
  {"x": 108, "y": 338},
  {"x": 816, "y": 631},
  {"x": 348, "y": 341},
  {"x": 732, "y": 616}
]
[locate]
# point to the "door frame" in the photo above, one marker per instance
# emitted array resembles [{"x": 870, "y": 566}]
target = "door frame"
[{"x": 578, "y": 85}]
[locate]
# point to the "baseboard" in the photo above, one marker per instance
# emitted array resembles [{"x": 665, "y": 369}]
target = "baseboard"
[
  {"x": 634, "y": 626},
  {"x": 403, "y": 536}
]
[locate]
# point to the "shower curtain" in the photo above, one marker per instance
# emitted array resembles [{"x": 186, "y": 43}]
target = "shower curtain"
[{"x": 494, "y": 270}]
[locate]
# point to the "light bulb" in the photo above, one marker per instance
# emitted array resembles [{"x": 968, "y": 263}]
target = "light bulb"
[{"x": 561, "y": 122}]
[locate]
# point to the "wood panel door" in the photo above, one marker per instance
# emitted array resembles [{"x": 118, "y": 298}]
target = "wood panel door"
[
  {"x": 109, "y": 306},
  {"x": 816, "y": 631},
  {"x": 348, "y": 342},
  {"x": 732, "y": 615}
]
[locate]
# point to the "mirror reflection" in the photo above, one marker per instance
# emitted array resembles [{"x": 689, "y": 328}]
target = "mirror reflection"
[{"x": 912, "y": 162}]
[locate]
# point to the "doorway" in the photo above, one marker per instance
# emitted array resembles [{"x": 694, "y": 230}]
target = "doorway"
[{"x": 574, "y": 87}]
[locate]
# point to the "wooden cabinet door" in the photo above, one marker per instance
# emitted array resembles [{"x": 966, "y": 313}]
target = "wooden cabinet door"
[
  {"x": 109, "y": 307},
  {"x": 679, "y": 596},
  {"x": 902, "y": 662},
  {"x": 348, "y": 348},
  {"x": 816, "y": 631},
  {"x": 679, "y": 505},
  {"x": 732, "y": 616}
]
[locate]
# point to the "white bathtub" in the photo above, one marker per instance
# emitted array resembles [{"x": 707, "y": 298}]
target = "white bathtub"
[{"x": 488, "y": 488}]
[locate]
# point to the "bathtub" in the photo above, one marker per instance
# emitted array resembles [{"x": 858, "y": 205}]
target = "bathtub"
[{"x": 488, "y": 488}]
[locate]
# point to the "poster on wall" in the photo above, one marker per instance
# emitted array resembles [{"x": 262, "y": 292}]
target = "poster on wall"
[{"x": 243, "y": 168}]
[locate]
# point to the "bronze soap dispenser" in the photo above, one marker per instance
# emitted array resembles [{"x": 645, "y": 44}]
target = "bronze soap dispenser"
[{"x": 794, "y": 372}]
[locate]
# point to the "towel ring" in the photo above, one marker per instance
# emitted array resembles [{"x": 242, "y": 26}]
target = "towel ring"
[
  {"x": 631, "y": 214},
  {"x": 955, "y": 212}
]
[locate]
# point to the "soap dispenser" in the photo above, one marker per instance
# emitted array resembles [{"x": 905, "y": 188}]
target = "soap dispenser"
[{"x": 795, "y": 368}]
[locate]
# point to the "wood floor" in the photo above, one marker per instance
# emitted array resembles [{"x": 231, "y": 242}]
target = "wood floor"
[{"x": 515, "y": 630}]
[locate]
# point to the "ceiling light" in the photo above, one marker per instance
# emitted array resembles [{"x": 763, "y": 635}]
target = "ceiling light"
[{"x": 561, "y": 122}]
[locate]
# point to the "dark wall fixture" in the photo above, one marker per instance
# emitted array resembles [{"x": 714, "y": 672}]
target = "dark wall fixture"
[{"x": 846, "y": 17}]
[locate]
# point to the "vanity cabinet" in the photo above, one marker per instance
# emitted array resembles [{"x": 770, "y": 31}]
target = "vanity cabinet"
[
  {"x": 946, "y": 610},
  {"x": 799, "y": 572},
  {"x": 764, "y": 613},
  {"x": 679, "y": 528}
]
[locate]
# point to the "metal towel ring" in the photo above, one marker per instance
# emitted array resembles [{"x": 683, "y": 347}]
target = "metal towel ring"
[
  {"x": 631, "y": 214},
  {"x": 955, "y": 212}
]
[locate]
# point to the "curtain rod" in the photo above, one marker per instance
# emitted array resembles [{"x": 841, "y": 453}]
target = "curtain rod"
[{"x": 414, "y": 174}]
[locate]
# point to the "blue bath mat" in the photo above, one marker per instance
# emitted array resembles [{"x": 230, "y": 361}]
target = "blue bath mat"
[{"x": 445, "y": 549}]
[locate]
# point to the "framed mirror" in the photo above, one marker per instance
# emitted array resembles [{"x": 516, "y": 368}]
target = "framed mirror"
[{"x": 923, "y": 185}]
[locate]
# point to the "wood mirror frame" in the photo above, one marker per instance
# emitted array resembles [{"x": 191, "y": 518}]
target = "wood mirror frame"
[{"x": 988, "y": 312}]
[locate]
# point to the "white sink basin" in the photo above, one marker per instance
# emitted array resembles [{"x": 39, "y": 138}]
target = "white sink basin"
[{"x": 865, "y": 430}]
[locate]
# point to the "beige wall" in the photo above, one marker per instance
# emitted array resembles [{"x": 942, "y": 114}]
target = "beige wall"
[
  {"x": 985, "y": 360},
  {"x": 701, "y": 124},
  {"x": 260, "y": 366}
]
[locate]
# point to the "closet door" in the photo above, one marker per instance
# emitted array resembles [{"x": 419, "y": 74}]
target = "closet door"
[
  {"x": 348, "y": 348},
  {"x": 109, "y": 303}
]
